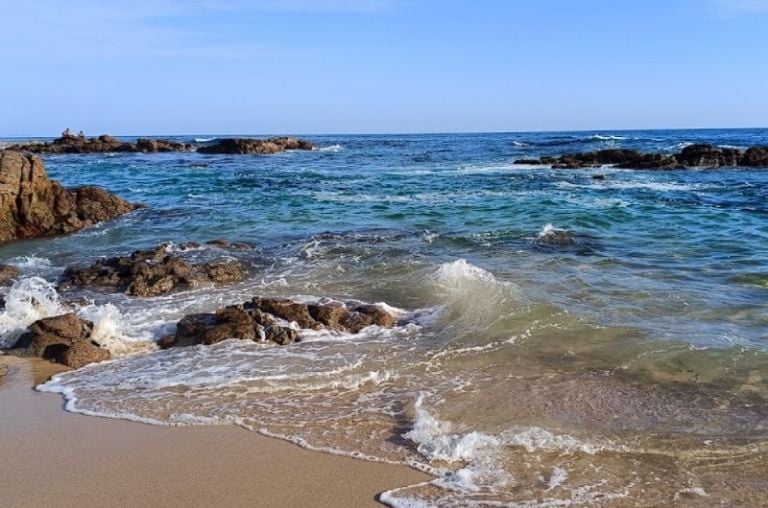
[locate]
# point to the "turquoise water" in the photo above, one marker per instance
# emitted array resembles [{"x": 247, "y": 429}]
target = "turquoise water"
[{"x": 638, "y": 345}]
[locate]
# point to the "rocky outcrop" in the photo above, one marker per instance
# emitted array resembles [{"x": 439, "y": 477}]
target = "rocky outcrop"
[
  {"x": 32, "y": 205},
  {"x": 64, "y": 339},
  {"x": 693, "y": 156},
  {"x": 7, "y": 274},
  {"x": 70, "y": 143},
  {"x": 274, "y": 320},
  {"x": 79, "y": 143},
  {"x": 255, "y": 146},
  {"x": 152, "y": 272}
]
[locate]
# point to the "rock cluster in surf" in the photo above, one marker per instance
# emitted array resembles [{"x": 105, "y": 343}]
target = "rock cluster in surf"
[
  {"x": 273, "y": 319},
  {"x": 32, "y": 205},
  {"x": 65, "y": 339},
  {"x": 255, "y": 146},
  {"x": 68, "y": 339},
  {"x": 154, "y": 272},
  {"x": 71, "y": 143},
  {"x": 698, "y": 156}
]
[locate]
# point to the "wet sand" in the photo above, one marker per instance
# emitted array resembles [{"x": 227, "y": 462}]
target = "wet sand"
[{"x": 51, "y": 457}]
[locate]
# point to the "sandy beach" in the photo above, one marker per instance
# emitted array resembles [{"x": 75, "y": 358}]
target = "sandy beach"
[{"x": 51, "y": 457}]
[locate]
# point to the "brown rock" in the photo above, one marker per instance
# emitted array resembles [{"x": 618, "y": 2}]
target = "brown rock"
[
  {"x": 255, "y": 321},
  {"x": 32, "y": 205},
  {"x": 368, "y": 315},
  {"x": 332, "y": 316},
  {"x": 224, "y": 272},
  {"x": 152, "y": 272},
  {"x": 62, "y": 339},
  {"x": 288, "y": 310},
  {"x": 8, "y": 273},
  {"x": 281, "y": 335}
]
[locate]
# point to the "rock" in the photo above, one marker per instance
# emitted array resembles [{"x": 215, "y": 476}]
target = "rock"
[
  {"x": 255, "y": 146},
  {"x": 598, "y": 177},
  {"x": 697, "y": 155},
  {"x": 287, "y": 310},
  {"x": 257, "y": 320},
  {"x": 331, "y": 316},
  {"x": 368, "y": 315},
  {"x": 161, "y": 145},
  {"x": 556, "y": 237},
  {"x": 69, "y": 143},
  {"x": 32, "y": 205},
  {"x": 281, "y": 335},
  {"x": 64, "y": 339},
  {"x": 224, "y": 271},
  {"x": 8, "y": 273},
  {"x": 755, "y": 157},
  {"x": 153, "y": 272},
  {"x": 700, "y": 155},
  {"x": 226, "y": 244}
]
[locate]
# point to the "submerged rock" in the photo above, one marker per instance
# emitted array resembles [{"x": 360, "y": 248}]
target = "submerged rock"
[
  {"x": 698, "y": 155},
  {"x": 255, "y": 146},
  {"x": 32, "y": 205},
  {"x": 273, "y": 320},
  {"x": 153, "y": 272},
  {"x": 64, "y": 339}
]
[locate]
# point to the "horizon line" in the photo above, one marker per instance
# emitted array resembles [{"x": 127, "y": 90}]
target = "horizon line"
[{"x": 406, "y": 133}]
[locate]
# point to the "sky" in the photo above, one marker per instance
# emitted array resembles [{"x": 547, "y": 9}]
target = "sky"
[{"x": 380, "y": 66}]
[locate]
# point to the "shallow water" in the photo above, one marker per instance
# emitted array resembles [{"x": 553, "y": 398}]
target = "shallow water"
[{"x": 570, "y": 340}]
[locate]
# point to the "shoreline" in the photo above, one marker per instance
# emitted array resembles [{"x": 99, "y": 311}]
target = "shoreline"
[{"x": 69, "y": 459}]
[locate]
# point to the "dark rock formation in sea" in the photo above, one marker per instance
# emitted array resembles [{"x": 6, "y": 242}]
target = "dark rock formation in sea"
[
  {"x": 255, "y": 146},
  {"x": 698, "y": 156},
  {"x": 70, "y": 143},
  {"x": 32, "y": 205},
  {"x": 79, "y": 143},
  {"x": 267, "y": 319},
  {"x": 152, "y": 272},
  {"x": 64, "y": 339},
  {"x": 7, "y": 274}
]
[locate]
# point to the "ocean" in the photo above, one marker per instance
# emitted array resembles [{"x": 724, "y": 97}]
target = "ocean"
[{"x": 567, "y": 339}]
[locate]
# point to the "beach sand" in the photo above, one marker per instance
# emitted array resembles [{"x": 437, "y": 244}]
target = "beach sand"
[{"x": 51, "y": 457}]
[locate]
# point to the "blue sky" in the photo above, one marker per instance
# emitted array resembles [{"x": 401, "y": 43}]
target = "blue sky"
[{"x": 348, "y": 66}]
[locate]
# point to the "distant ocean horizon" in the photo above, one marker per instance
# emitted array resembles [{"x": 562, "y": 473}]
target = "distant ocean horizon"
[{"x": 134, "y": 136}]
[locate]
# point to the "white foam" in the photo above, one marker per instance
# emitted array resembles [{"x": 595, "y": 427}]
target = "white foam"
[
  {"x": 28, "y": 299},
  {"x": 436, "y": 440},
  {"x": 110, "y": 331},
  {"x": 549, "y": 231},
  {"x": 557, "y": 478},
  {"x": 332, "y": 148},
  {"x": 599, "y": 137},
  {"x": 459, "y": 272},
  {"x": 30, "y": 263}
]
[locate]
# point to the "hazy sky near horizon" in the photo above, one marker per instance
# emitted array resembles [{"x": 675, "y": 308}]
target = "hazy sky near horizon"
[{"x": 348, "y": 66}]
